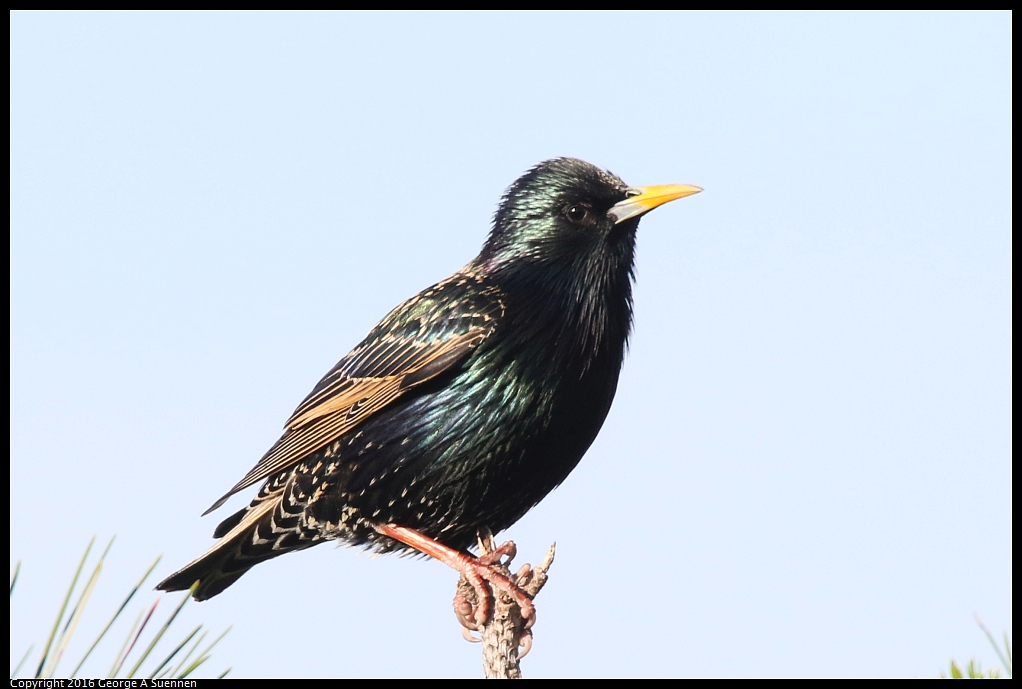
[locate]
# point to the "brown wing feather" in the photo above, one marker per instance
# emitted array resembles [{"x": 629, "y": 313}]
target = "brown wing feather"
[{"x": 379, "y": 371}]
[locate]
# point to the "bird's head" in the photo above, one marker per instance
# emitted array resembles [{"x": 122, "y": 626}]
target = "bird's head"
[
  {"x": 562, "y": 250},
  {"x": 568, "y": 212}
]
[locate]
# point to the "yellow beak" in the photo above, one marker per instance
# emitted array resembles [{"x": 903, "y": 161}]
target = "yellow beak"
[{"x": 645, "y": 199}]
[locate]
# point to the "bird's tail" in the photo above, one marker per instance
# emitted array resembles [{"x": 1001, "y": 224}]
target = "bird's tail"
[{"x": 252, "y": 536}]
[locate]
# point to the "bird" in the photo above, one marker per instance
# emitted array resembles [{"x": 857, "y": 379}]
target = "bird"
[{"x": 468, "y": 403}]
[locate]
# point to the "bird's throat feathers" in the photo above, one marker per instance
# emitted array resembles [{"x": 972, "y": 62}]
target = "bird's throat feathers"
[{"x": 585, "y": 298}]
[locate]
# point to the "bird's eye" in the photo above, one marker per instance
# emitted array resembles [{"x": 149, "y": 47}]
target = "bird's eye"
[{"x": 577, "y": 212}]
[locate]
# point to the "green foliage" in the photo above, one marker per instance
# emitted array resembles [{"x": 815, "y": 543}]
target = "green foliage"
[
  {"x": 973, "y": 669},
  {"x": 184, "y": 659}
]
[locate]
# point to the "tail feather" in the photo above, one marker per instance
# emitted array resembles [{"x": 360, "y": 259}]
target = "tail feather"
[{"x": 257, "y": 535}]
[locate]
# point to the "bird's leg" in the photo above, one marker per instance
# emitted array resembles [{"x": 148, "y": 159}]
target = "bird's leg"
[{"x": 479, "y": 571}]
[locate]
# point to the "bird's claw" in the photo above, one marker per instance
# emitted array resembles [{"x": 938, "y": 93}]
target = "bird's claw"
[
  {"x": 494, "y": 558},
  {"x": 473, "y": 603},
  {"x": 465, "y": 612},
  {"x": 525, "y": 643}
]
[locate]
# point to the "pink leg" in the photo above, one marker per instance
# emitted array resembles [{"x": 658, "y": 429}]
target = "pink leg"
[{"x": 478, "y": 572}]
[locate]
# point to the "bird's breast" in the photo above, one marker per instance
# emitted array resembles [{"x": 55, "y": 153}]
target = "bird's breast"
[{"x": 481, "y": 447}]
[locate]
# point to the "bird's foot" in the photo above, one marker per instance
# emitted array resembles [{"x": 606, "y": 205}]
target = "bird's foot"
[
  {"x": 474, "y": 600},
  {"x": 479, "y": 573},
  {"x": 506, "y": 637}
]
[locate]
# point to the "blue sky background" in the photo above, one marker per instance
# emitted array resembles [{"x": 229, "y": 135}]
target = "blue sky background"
[{"x": 807, "y": 469}]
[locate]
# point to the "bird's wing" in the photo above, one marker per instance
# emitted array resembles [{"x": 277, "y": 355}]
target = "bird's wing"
[{"x": 416, "y": 342}]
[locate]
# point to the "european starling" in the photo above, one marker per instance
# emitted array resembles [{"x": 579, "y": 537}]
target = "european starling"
[{"x": 466, "y": 404}]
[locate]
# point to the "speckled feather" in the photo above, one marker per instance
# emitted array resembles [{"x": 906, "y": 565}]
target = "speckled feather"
[{"x": 467, "y": 404}]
